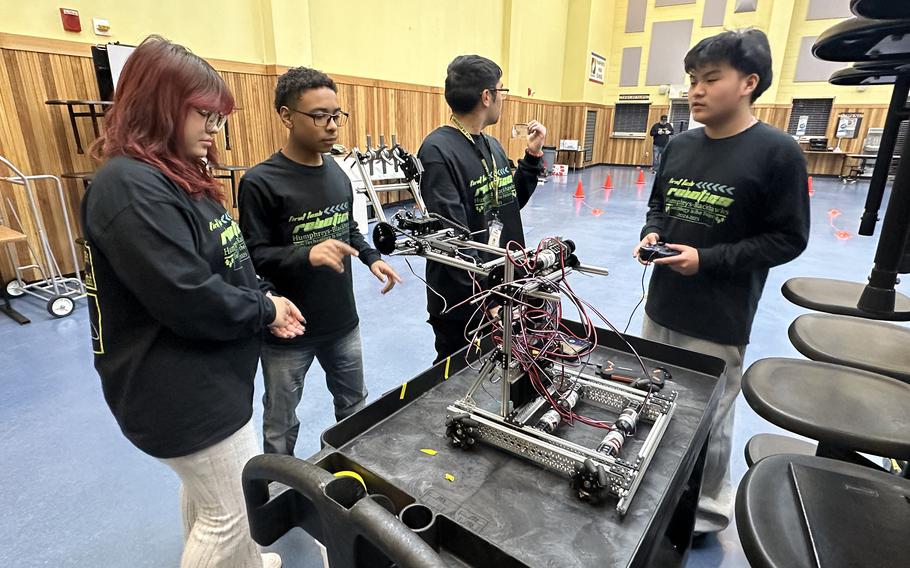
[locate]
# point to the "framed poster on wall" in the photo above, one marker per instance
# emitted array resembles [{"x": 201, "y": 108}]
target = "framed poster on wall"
[
  {"x": 848, "y": 125},
  {"x": 596, "y": 66}
]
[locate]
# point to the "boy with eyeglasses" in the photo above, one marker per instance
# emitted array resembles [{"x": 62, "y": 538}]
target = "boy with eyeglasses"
[
  {"x": 467, "y": 179},
  {"x": 296, "y": 217}
]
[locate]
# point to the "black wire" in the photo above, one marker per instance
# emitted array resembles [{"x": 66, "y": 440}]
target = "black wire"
[
  {"x": 640, "y": 300},
  {"x": 452, "y": 222},
  {"x": 486, "y": 391},
  {"x": 445, "y": 304}
]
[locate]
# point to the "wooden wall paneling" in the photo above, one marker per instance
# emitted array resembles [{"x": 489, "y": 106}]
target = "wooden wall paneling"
[
  {"x": 604, "y": 126},
  {"x": 512, "y": 114},
  {"x": 835, "y": 165},
  {"x": 9, "y": 129},
  {"x": 601, "y": 132},
  {"x": 256, "y": 131},
  {"x": 774, "y": 115},
  {"x": 8, "y": 125},
  {"x": 873, "y": 117},
  {"x": 634, "y": 151},
  {"x": 38, "y": 139}
]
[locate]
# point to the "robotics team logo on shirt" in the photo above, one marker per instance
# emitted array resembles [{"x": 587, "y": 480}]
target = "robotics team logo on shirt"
[
  {"x": 313, "y": 227},
  {"x": 700, "y": 202},
  {"x": 483, "y": 195},
  {"x": 235, "y": 251}
]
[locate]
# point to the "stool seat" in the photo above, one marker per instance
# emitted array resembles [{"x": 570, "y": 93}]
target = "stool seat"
[
  {"x": 875, "y": 346},
  {"x": 843, "y": 407},
  {"x": 896, "y": 66},
  {"x": 861, "y": 39},
  {"x": 880, "y": 9},
  {"x": 795, "y": 511},
  {"x": 761, "y": 446},
  {"x": 839, "y": 297},
  {"x": 852, "y": 76}
]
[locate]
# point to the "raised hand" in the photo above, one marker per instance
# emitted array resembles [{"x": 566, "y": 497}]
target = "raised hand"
[
  {"x": 331, "y": 253},
  {"x": 386, "y": 274}
]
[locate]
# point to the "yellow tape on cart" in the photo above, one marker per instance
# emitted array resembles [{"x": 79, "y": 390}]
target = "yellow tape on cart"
[{"x": 353, "y": 474}]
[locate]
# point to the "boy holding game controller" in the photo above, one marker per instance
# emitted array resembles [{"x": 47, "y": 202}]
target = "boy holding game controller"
[{"x": 728, "y": 203}]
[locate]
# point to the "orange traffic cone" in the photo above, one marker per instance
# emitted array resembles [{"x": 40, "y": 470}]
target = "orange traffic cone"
[
  {"x": 811, "y": 191},
  {"x": 579, "y": 191},
  {"x": 641, "y": 177},
  {"x": 608, "y": 183}
]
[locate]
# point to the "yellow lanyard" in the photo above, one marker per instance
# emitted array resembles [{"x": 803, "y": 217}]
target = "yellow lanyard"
[{"x": 491, "y": 177}]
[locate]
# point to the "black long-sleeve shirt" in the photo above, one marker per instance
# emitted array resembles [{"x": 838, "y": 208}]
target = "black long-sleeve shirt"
[
  {"x": 287, "y": 208},
  {"x": 455, "y": 185},
  {"x": 176, "y": 310},
  {"x": 742, "y": 201}
]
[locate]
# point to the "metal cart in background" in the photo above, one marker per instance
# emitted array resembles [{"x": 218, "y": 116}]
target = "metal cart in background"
[{"x": 58, "y": 291}]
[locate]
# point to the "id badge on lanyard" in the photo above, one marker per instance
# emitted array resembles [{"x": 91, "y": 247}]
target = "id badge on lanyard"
[
  {"x": 495, "y": 231},
  {"x": 494, "y": 227}
]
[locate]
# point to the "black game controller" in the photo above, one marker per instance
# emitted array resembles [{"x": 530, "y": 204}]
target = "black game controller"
[{"x": 648, "y": 253}]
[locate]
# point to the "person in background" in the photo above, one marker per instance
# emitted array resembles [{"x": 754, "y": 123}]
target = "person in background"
[
  {"x": 176, "y": 309},
  {"x": 296, "y": 214},
  {"x": 467, "y": 180},
  {"x": 660, "y": 132},
  {"x": 731, "y": 199}
]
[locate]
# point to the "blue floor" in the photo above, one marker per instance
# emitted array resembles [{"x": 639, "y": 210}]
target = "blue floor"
[{"x": 76, "y": 493}]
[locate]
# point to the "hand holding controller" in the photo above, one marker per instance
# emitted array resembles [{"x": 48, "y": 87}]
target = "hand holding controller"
[{"x": 648, "y": 253}]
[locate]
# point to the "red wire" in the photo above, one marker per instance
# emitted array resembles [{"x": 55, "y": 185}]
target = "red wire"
[{"x": 541, "y": 329}]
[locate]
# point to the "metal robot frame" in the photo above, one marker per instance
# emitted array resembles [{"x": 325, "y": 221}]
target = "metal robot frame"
[{"x": 595, "y": 472}]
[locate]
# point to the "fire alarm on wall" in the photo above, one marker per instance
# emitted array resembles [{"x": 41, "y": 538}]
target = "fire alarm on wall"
[{"x": 70, "y": 20}]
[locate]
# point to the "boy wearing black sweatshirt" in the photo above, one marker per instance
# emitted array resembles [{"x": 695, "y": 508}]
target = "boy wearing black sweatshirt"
[
  {"x": 296, "y": 217},
  {"x": 660, "y": 132},
  {"x": 467, "y": 179},
  {"x": 731, "y": 198}
]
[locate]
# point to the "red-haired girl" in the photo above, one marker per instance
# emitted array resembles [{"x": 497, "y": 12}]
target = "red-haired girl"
[{"x": 177, "y": 311}]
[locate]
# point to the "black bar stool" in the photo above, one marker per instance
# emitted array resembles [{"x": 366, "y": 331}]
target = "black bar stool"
[
  {"x": 874, "y": 346},
  {"x": 880, "y": 73},
  {"x": 796, "y": 511},
  {"x": 883, "y": 43},
  {"x": 870, "y": 74},
  {"x": 846, "y": 410},
  {"x": 761, "y": 446},
  {"x": 839, "y": 297},
  {"x": 862, "y": 39},
  {"x": 880, "y": 9}
]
